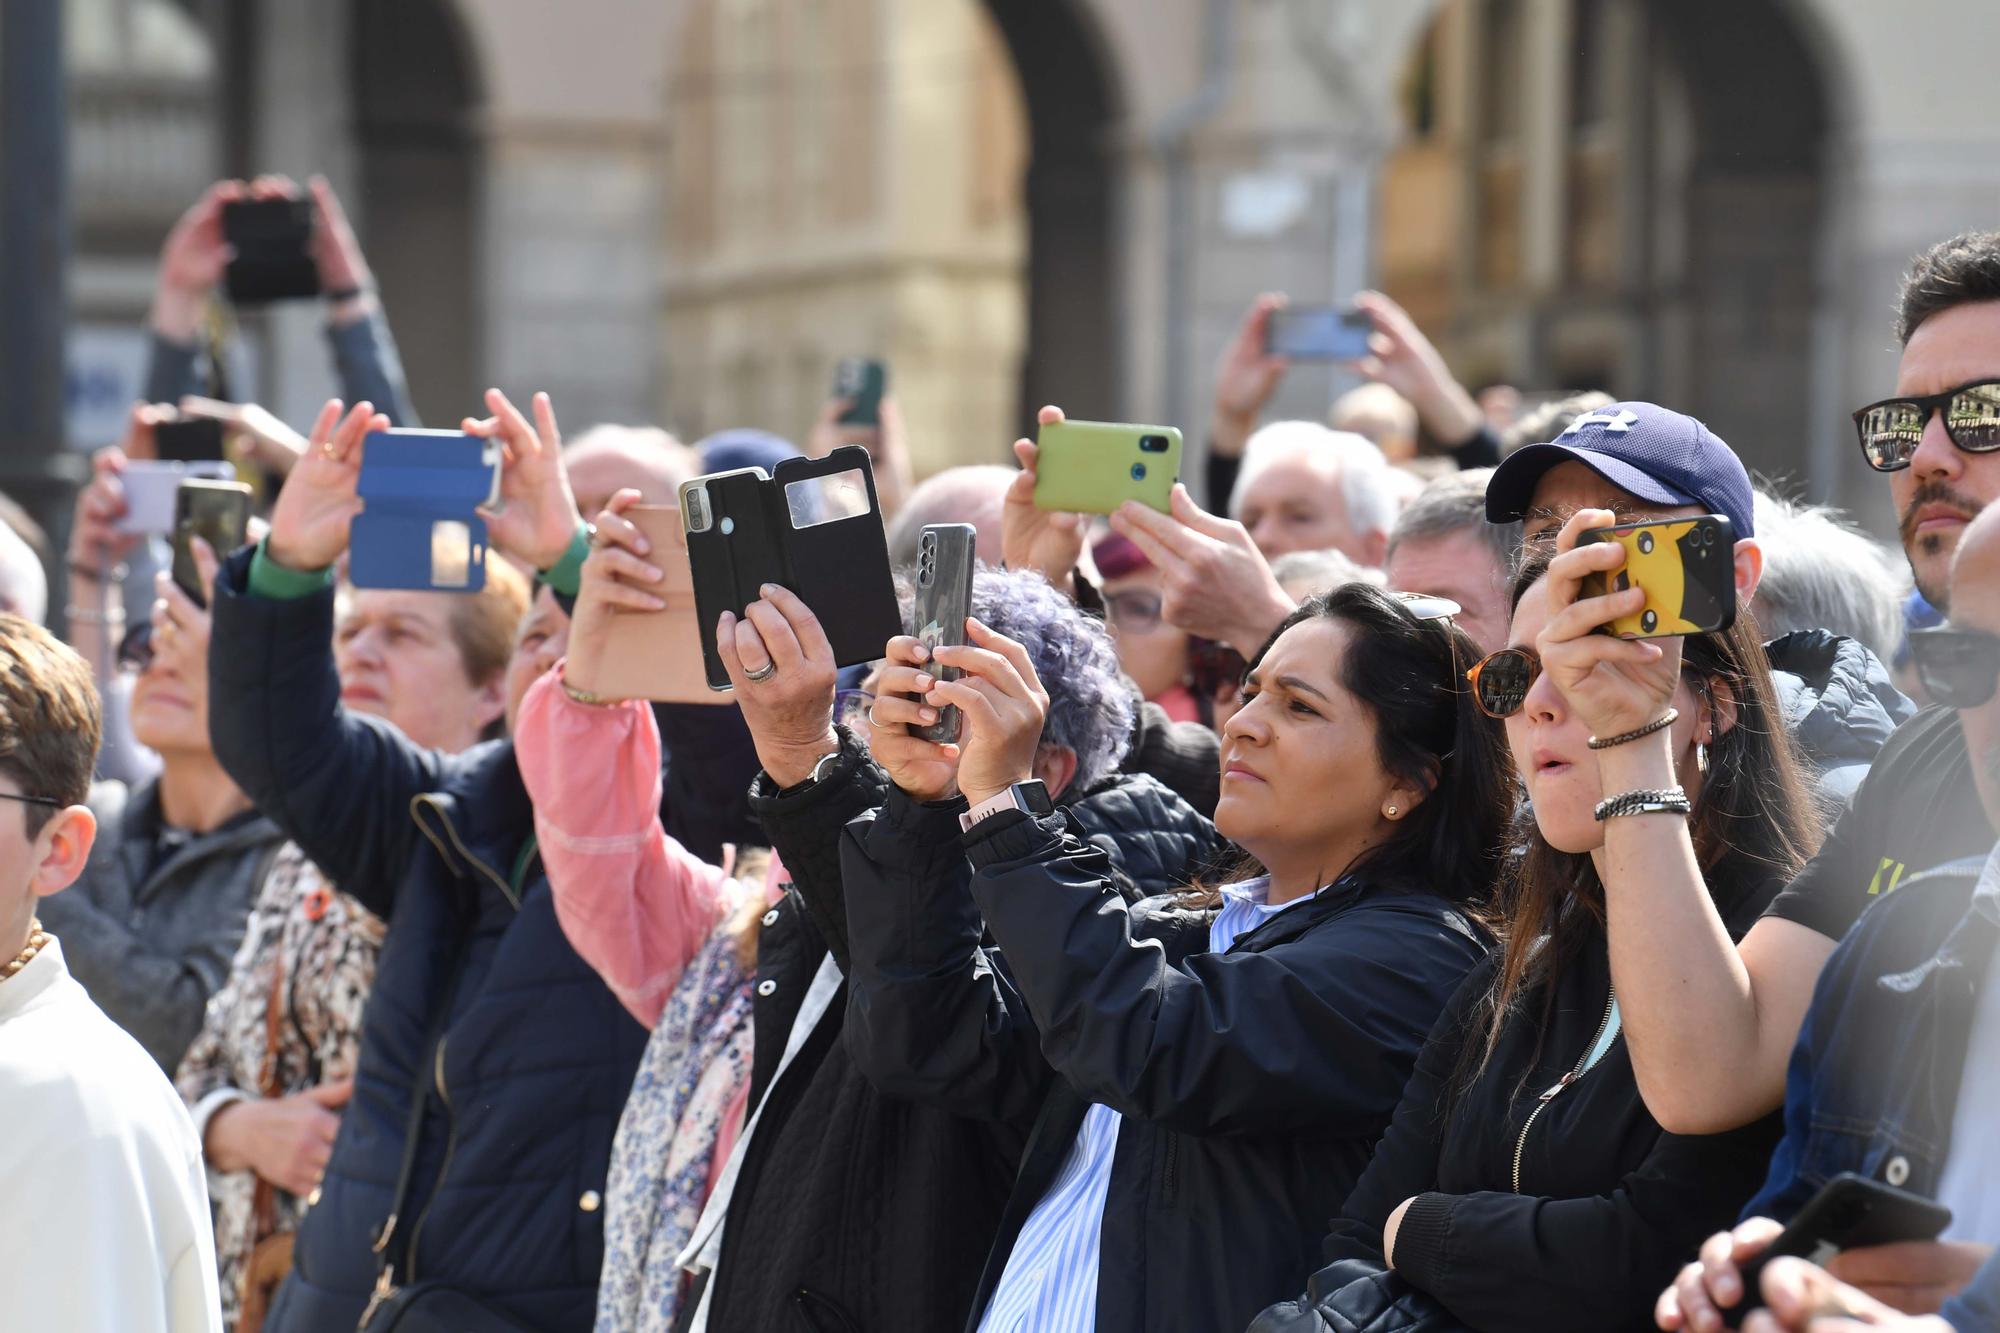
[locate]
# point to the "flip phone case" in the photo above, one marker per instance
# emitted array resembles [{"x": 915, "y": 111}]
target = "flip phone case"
[
  {"x": 421, "y": 530},
  {"x": 272, "y": 240},
  {"x": 657, "y": 654},
  {"x": 150, "y": 487},
  {"x": 945, "y": 563},
  {"x": 745, "y": 529},
  {"x": 1687, "y": 567},
  {"x": 1092, "y": 467}
]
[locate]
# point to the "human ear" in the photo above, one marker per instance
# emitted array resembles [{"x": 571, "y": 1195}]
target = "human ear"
[
  {"x": 1055, "y": 765},
  {"x": 62, "y": 849},
  {"x": 1749, "y": 569}
]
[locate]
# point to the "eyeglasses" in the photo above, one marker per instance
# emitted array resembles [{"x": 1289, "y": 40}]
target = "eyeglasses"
[
  {"x": 1960, "y": 668},
  {"x": 1891, "y": 429},
  {"x": 1501, "y": 681},
  {"x": 51, "y": 802},
  {"x": 1134, "y": 612},
  {"x": 135, "y": 650},
  {"x": 1425, "y": 606}
]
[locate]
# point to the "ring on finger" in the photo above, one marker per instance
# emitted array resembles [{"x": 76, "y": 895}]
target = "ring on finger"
[{"x": 762, "y": 673}]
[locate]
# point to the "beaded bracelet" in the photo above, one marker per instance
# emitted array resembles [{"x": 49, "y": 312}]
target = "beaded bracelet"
[
  {"x": 1660, "y": 723},
  {"x": 1645, "y": 801}
]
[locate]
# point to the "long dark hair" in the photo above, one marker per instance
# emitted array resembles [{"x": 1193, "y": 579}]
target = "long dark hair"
[
  {"x": 1754, "y": 817},
  {"x": 1410, "y": 676}
]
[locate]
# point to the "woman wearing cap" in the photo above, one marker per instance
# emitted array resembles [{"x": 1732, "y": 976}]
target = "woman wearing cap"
[
  {"x": 1202, "y": 1075},
  {"x": 1524, "y": 1185}
]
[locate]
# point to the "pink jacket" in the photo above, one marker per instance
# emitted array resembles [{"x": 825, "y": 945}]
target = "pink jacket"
[{"x": 633, "y": 902}]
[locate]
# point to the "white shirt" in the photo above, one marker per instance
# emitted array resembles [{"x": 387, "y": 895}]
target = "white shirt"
[
  {"x": 1969, "y": 1185},
  {"x": 104, "y": 1224}
]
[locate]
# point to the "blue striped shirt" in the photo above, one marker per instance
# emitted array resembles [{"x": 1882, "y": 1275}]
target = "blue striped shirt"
[{"x": 1050, "y": 1282}]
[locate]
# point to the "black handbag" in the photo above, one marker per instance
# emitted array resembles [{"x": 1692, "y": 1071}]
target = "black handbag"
[{"x": 424, "y": 1307}]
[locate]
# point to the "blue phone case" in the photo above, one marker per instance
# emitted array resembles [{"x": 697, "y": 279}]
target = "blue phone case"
[{"x": 421, "y": 531}]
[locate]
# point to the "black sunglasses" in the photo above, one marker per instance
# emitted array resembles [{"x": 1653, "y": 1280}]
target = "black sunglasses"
[
  {"x": 1960, "y": 668},
  {"x": 1891, "y": 429}
]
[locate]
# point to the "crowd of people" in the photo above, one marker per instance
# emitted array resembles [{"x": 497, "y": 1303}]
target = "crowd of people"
[{"x": 1321, "y": 922}]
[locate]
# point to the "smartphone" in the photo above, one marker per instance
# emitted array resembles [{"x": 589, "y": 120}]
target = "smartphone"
[
  {"x": 945, "y": 563},
  {"x": 1850, "y": 1212},
  {"x": 218, "y": 512},
  {"x": 421, "y": 530},
  {"x": 862, "y": 380},
  {"x": 1687, "y": 567},
  {"x": 189, "y": 440},
  {"x": 150, "y": 489},
  {"x": 1318, "y": 333},
  {"x": 814, "y": 526},
  {"x": 1092, "y": 467},
  {"x": 656, "y": 655},
  {"x": 272, "y": 244}
]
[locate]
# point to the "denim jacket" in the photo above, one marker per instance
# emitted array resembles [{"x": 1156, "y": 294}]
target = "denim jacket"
[{"x": 1874, "y": 1079}]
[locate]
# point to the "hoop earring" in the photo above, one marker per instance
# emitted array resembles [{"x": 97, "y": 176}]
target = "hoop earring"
[{"x": 1700, "y": 758}]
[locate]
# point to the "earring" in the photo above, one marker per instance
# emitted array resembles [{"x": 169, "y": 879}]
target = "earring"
[
  {"x": 1391, "y": 812},
  {"x": 1700, "y": 757}
]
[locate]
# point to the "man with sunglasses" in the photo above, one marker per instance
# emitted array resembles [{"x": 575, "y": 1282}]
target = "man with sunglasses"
[
  {"x": 1710, "y": 1027},
  {"x": 1897, "y": 1070}
]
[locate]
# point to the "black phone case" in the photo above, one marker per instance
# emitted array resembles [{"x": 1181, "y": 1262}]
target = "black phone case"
[
  {"x": 1850, "y": 1212},
  {"x": 945, "y": 558},
  {"x": 272, "y": 239},
  {"x": 840, "y": 569},
  {"x": 191, "y": 440}
]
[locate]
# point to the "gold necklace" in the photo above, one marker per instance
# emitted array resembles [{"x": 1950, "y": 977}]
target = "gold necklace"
[{"x": 38, "y": 940}]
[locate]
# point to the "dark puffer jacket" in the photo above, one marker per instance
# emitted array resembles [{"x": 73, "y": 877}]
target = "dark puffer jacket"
[
  {"x": 1839, "y": 704},
  {"x": 523, "y": 1092},
  {"x": 855, "y": 1210},
  {"x": 1252, "y": 1083}
]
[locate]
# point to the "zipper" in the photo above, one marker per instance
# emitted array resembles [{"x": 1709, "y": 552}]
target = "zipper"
[
  {"x": 1576, "y": 1072},
  {"x": 493, "y": 876},
  {"x": 1172, "y": 1173},
  {"x": 385, "y": 1287},
  {"x": 450, "y": 1147}
]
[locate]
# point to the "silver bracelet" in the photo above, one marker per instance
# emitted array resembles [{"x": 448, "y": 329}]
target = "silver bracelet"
[
  {"x": 90, "y": 615},
  {"x": 1645, "y": 801},
  {"x": 1660, "y": 723}
]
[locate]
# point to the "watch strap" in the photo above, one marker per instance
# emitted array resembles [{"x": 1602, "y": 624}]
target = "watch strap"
[{"x": 1030, "y": 798}]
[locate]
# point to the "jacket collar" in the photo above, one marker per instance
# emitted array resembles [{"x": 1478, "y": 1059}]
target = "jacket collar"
[
  {"x": 479, "y": 823},
  {"x": 140, "y": 826},
  {"x": 1971, "y": 942}
]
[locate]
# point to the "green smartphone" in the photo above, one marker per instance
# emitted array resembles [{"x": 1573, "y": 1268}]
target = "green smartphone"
[{"x": 1092, "y": 467}]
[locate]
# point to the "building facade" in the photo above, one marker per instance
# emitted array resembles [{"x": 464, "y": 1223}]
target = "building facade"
[{"x": 685, "y": 211}]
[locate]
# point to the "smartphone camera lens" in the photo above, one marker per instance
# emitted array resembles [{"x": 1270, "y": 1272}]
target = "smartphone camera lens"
[
  {"x": 1153, "y": 444},
  {"x": 697, "y": 512},
  {"x": 1138, "y": 472}
]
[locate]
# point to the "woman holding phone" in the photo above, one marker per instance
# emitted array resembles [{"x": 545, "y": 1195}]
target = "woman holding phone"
[
  {"x": 1203, "y": 1073},
  {"x": 1524, "y": 1186}
]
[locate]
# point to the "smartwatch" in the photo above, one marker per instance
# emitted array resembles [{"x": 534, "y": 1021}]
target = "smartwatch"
[{"x": 1030, "y": 797}]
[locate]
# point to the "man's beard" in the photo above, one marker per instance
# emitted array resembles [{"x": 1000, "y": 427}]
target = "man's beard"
[{"x": 1933, "y": 492}]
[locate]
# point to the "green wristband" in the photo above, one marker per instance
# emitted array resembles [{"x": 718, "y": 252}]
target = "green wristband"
[
  {"x": 566, "y": 574},
  {"x": 272, "y": 580}
]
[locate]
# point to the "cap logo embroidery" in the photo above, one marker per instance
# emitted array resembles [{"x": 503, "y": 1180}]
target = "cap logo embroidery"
[{"x": 1617, "y": 422}]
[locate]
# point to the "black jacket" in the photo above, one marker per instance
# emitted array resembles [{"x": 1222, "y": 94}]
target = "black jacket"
[
  {"x": 524, "y": 1091},
  {"x": 856, "y": 1212},
  {"x": 1252, "y": 1084},
  {"x": 1839, "y": 704},
  {"x": 1609, "y": 1204}
]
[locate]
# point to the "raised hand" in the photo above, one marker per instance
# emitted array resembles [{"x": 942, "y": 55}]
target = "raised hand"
[
  {"x": 96, "y": 546},
  {"x": 1401, "y": 357},
  {"x": 1002, "y": 706},
  {"x": 1615, "y": 685},
  {"x": 1215, "y": 582},
  {"x": 1245, "y": 379},
  {"x": 180, "y": 627},
  {"x": 928, "y": 771},
  {"x": 1041, "y": 539},
  {"x": 780, "y": 661},
  {"x": 537, "y": 516},
  {"x": 615, "y": 580},
  {"x": 310, "y": 522},
  {"x": 192, "y": 262},
  {"x": 342, "y": 267}
]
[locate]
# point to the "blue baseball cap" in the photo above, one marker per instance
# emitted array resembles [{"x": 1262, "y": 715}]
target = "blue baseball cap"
[{"x": 1661, "y": 456}]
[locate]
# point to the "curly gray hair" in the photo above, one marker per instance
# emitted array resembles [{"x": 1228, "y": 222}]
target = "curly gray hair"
[{"x": 1091, "y": 704}]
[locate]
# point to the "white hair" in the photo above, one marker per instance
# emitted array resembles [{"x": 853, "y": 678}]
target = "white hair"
[
  {"x": 1822, "y": 572},
  {"x": 24, "y": 584},
  {"x": 1364, "y": 476}
]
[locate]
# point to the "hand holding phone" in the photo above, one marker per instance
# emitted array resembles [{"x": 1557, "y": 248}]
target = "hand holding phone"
[
  {"x": 861, "y": 382},
  {"x": 1850, "y": 1212},
  {"x": 150, "y": 487},
  {"x": 1687, "y": 567},
  {"x": 272, "y": 240},
  {"x": 1318, "y": 333},
  {"x": 1092, "y": 467},
  {"x": 635, "y": 638},
  {"x": 311, "y": 522},
  {"x": 218, "y": 512}
]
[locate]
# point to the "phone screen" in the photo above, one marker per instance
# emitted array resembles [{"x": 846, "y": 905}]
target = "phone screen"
[
  {"x": 216, "y": 512},
  {"x": 194, "y": 440},
  {"x": 1319, "y": 333}
]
